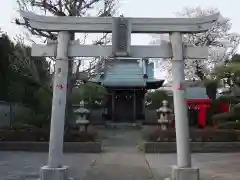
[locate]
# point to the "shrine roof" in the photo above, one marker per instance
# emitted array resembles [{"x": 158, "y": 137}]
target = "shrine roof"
[
  {"x": 194, "y": 90},
  {"x": 196, "y": 93},
  {"x": 128, "y": 73}
]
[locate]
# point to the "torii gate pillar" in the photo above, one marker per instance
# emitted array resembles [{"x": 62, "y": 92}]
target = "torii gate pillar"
[
  {"x": 183, "y": 170},
  {"x": 54, "y": 169}
]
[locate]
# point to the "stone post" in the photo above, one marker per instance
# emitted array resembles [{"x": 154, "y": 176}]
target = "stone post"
[
  {"x": 183, "y": 169},
  {"x": 55, "y": 169}
]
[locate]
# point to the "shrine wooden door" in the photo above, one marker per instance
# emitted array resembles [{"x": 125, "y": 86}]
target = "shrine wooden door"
[{"x": 124, "y": 107}]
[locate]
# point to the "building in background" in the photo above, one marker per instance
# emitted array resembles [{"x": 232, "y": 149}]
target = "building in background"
[{"x": 127, "y": 81}]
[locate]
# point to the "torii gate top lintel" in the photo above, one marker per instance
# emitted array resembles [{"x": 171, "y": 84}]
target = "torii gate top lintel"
[{"x": 105, "y": 24}]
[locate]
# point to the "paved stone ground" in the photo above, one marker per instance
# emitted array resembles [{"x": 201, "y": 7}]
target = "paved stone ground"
[
  {"x": 213, "y": 166},
  {"x": 121, "y": 161},
  {"x": 25, "y": 165}
]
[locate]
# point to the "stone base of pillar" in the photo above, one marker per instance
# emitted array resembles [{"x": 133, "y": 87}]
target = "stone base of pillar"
[
  {"x": 47, "y": 173},
  {"x": 185, "y": 173}
]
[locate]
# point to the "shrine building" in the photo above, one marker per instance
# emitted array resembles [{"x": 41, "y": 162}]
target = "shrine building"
[{"x": 126, "y": 81}]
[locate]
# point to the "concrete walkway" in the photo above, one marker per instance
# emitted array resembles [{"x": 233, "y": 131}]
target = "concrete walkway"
[
  {"x": 122, "y": 159},
  {"x": 119, "y": 166}
]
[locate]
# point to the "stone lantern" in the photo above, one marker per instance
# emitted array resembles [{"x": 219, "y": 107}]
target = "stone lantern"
[
  {"x": 82, "y": 117},
  {"x": 164, "y": 115}
]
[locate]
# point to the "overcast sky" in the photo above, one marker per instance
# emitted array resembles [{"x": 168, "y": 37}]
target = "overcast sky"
[{"x": 139, "y": 8}]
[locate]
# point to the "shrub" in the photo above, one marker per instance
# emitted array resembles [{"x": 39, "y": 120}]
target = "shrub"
[
  {"x": 229, "y": 125},
  {"x": 206, "y": 135},
  {"x": 20, "y": 126},
  {"x": 42, "y": 135},
  {"x": 33, "y": 119},
  {"x": 156, "y": 97},
  {"x": 24, "y": 135},
  {"x": 224, "y": 117},
  {"x": 76, "y": 136}
]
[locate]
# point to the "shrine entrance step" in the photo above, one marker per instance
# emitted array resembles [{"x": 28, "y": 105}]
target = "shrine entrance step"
[{"x": 113, "y": 125}]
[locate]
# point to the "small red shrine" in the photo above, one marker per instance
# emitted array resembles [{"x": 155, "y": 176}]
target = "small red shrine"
[{"x": 199, "y": 102}]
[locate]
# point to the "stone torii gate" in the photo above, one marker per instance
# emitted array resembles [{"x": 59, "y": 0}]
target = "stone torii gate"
[{"x": 121, "y": 28}]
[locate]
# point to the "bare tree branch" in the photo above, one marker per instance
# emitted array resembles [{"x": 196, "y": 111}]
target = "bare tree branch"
[
  {"x": 222, "y": 44},
  {"x": 76, "y": 8}
]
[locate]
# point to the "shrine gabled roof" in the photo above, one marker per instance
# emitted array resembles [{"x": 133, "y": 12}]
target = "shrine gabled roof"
[
  {"x": 194, "y": 90},
  {"x": 196, "y": 93},
  {"x": 128, "y": 73}
]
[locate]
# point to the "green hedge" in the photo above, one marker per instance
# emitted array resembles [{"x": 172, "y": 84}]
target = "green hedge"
[
  {"x": 206, "y": 135},
  {"x": 42, "y": 135},
  {"x": 223, "y": 117},
  {"x": 229, "y": 125}
]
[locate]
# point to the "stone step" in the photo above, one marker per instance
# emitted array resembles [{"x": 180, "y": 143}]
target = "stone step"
[{"x": 136, "y": 125}]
